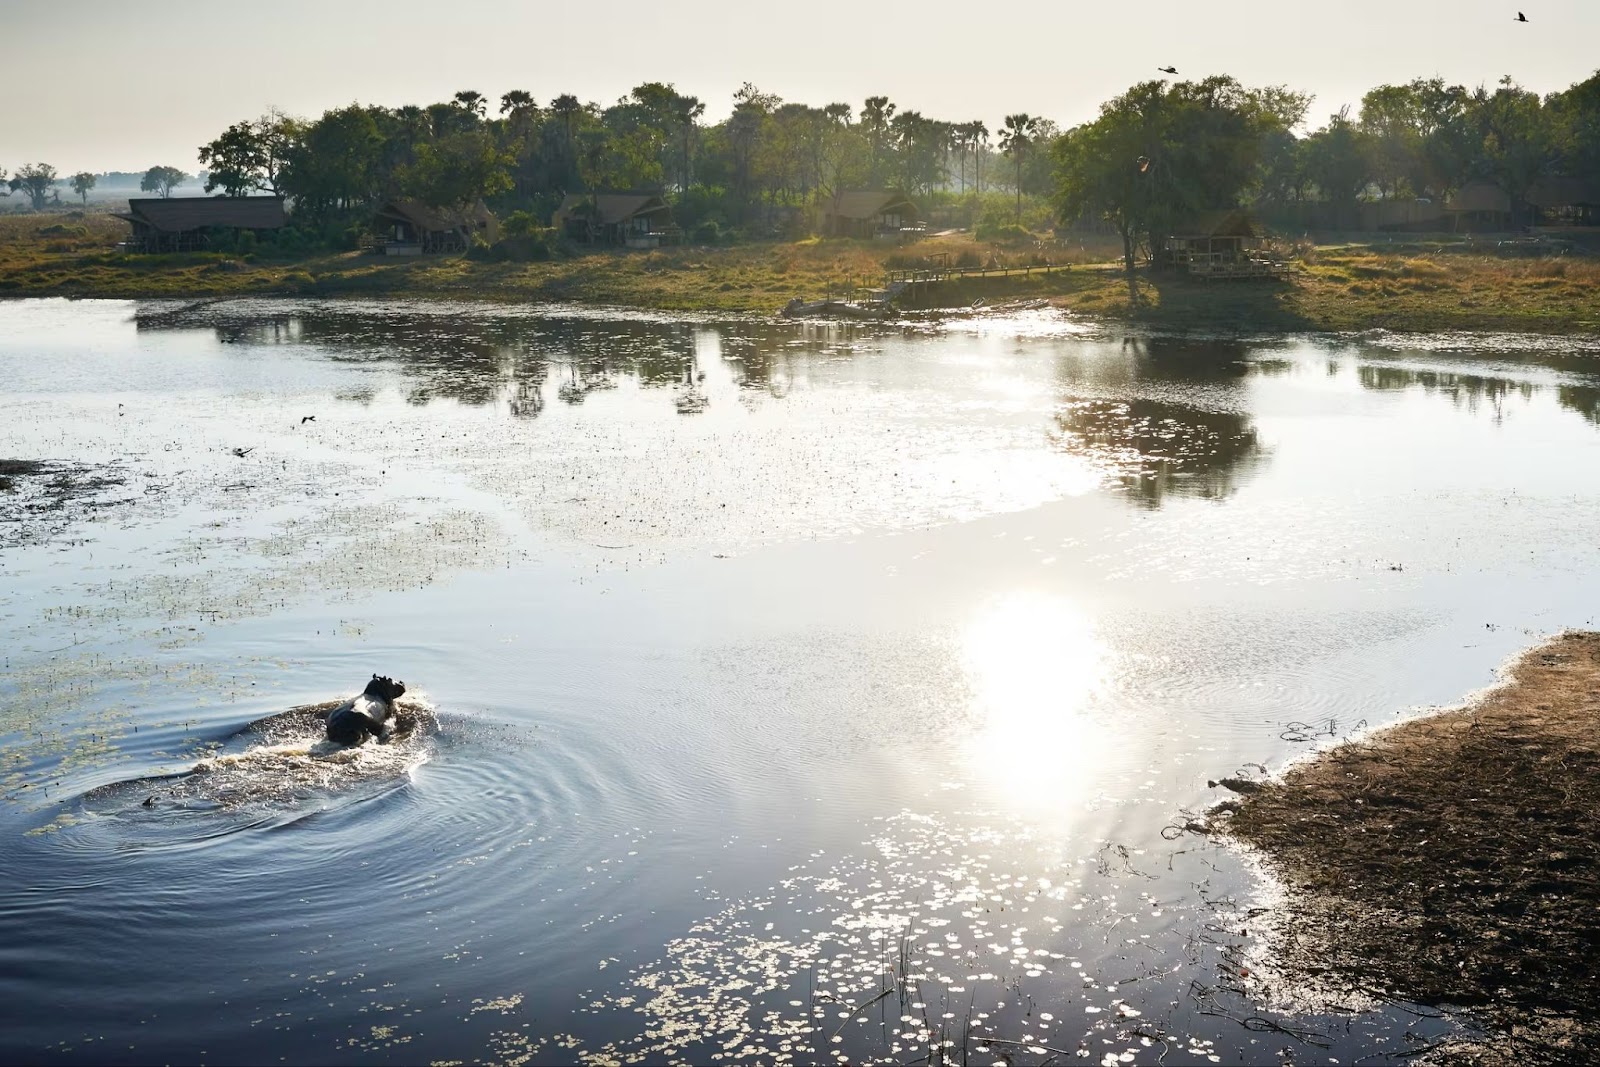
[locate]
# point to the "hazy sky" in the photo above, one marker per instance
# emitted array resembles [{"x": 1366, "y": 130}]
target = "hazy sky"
[{"x": 122, "y": 86}]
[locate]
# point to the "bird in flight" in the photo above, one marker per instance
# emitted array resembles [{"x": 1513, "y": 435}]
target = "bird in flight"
[
  {"x": 1144, "y": 163},
  {"x": 307, "y": 418},
  {"x": 1520, "y": 17},
  {"x": 243, "y": 452},
  {"x": 1168, "y": 70}
]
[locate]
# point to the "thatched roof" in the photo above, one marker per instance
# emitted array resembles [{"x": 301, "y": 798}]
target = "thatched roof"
[
  {"x": 179, "y": 214},
  {"x": 611, "y": 209},
  {"x": 869, "y": 204},
  {"x": 1479, "y": 196},
  {"x": 429, "y": 219},
  {"x": 1226, "y": 222}
]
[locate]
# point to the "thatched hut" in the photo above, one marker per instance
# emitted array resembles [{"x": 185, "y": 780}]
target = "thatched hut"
[
  {"x": 412, "y": 228},
  {"x": 868, "y": 213},
  {"x": 187, "y": 224},
  {"x": 634, "y": 220}
]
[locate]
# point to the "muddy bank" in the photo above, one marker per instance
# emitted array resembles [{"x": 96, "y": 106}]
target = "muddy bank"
[
  {"x": 39, "y": 499},
  {"x": 1454, "y": 860}
]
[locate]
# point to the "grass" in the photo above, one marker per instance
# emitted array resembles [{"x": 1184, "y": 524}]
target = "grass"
[{"x": 1445, "y": 284}]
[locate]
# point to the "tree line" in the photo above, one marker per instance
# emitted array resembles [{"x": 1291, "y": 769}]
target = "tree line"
[
  {"x": 768, "y": 161},
  {"x": 1163, "y": 151},
  {"x": 1160, "y": 151}
]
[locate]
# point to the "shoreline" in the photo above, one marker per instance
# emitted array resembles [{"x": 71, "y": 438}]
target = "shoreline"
[
  {"x": 1427, "y": 284},
  {"x": 1224, "y": 318},
  {"x": 1451, "y": 859}
]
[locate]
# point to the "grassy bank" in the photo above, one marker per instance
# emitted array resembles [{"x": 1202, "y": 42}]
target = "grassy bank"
[
  {"x": 1421, "y": 286},
  {"x": 1451, "y": 860}
]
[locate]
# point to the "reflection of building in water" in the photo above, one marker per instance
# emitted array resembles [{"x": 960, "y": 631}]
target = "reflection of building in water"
[
  {"x": 1156, "y": 448},
  {"x": 527, "y": 391}
]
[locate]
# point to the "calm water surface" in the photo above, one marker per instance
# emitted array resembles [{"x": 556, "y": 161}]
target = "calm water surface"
[{"x": 770, "y": 667}]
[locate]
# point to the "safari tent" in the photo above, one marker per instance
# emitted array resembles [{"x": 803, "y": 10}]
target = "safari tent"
[
  {"x": 634, "y": 220},
  {"x": 187, "y": 224},
  {"x": 868, "y": 213},
  {"x": 412, "y": 228}
]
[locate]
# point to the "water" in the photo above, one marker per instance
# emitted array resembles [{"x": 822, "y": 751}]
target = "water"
[{"x": 764, "y": 668}]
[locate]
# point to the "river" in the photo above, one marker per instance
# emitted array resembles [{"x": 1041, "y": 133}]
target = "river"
[{"x": 792, "y": 693}]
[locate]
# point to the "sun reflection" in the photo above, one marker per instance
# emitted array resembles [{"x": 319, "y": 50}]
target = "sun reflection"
[{"x": 1036, "y": 671}]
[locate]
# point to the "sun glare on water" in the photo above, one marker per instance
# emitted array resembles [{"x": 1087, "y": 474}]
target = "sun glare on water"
[{"x": 1036, "y": 671}]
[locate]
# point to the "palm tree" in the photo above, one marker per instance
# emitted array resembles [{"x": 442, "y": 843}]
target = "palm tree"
[
  {"x": 978, "y": 133},
  {"x": 566, "y": 107},
  {"x": 472, "y": 102},
  {"x": 516, "y": 100},
  {"x": 875, "y": 115},
  {"x": 687, "y": 110},
  {"x": 1015, "y": 140}
]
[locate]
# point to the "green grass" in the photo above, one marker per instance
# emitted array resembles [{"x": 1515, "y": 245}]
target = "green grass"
[{"x": 1342, "y": 287}]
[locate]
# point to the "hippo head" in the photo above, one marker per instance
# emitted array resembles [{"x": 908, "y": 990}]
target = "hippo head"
[{"x": 384, "y": 688}]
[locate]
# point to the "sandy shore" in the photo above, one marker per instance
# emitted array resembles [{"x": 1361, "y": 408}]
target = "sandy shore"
[{"x": 1454, "y": 860}]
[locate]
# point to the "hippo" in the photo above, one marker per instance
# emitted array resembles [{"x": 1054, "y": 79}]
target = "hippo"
[{"x": 367, "y": 713}]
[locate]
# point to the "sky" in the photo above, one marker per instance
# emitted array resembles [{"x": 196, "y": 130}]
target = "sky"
[{"x": 122, "y": 86}]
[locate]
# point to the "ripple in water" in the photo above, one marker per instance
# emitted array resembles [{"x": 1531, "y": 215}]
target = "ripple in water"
[{"x": 273, "y": 772}]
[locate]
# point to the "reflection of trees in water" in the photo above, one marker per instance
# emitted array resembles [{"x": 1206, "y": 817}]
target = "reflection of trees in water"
[
  {"x": 1161, "y": 415},
  {"x": 1584, "y": 399},
  {"x": 1155, "y": 448},
  {"x": 481, "y": 356},
  {"x": 1464, "y": 390}
]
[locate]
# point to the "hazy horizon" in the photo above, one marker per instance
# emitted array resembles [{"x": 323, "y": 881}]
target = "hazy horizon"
[{"x": 125, "y": 89}]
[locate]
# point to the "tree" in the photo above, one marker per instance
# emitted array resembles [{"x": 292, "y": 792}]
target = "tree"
[
  {"x": 1159, "y": 153},
  {"x": 162, "y": 180},
  {"x": 235, "y": 160},
  {"x": 1519, "y": 143},
  {"x": 1575, "y": 122},
  {"x": 473, "y": 103},
  {"x": 876, "y": 112},
  {"x": 1338, "y": 158},
  {"x": 35, "y": 179},
  {"x": 82, "y": 182},
  {"x": 457, "y": 170},
  {"x": 1015, "y": 140},
  {"x": 516, "y": 100},
  {"x": 336, "y": 161}
]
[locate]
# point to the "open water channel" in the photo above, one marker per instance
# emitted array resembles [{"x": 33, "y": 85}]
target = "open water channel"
[{"x": 791, "y": 693}]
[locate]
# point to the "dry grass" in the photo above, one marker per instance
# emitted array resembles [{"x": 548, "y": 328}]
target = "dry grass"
[
  {"x": 1335, "y": 287},
  {"x": 1451, "y": 859}
]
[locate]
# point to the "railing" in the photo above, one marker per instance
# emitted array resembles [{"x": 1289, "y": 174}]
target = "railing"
[{"x": 928, "y": 275}]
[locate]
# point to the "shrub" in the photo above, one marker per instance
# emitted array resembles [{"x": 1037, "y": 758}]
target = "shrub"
[
  {"x": 707, "y": 233},
  {"x": 532, "y": 247},
  {"x": 1007, "y": 232},
  {"x": 521, "y": 224}
]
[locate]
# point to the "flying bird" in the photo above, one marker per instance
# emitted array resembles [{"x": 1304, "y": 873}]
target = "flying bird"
[
  {"x": 1144, "y": 163},
  {"x": 243, "y": 452},
  {"x": 1174, "y": 70},
  {"x": 1520, "y": 17},
  {"x": 307, "y": 418}
]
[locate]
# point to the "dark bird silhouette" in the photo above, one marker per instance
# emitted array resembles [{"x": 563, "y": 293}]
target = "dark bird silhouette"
[
  {"x": 1520, "y": 17},
  {"x": 1168, "y": 70},
  {"x": 307, "y": 418},
  {"x": 243, "y": 452}
]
